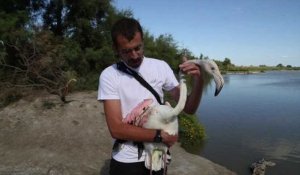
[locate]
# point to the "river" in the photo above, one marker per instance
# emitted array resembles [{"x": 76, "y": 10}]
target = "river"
[{"x": 255, "y": 116}]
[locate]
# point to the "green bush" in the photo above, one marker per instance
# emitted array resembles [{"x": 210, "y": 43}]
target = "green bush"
[
  {"x": 48, "y": 105},
  {"x": 88, "y": 82},
  {"x": 191, "y": 132}
]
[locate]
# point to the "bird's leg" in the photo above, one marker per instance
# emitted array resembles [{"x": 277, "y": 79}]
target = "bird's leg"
[
  {"x": 165, "y": 163},
  {"x": 151, "y": 164}
]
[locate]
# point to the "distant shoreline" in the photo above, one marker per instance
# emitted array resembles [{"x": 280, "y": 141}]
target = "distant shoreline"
[
  {"x": 251, "y": 72},
  {"x": 243, "y": 73}
]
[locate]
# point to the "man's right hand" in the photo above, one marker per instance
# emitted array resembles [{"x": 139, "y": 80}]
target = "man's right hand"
[{"x": 168, "y": 139}]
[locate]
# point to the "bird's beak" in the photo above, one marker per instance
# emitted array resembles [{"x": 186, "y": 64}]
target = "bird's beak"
[{"x": 219, "y": 83}]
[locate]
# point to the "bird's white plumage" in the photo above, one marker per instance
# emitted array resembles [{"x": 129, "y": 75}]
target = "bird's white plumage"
[{"x": 164, "y": 117}]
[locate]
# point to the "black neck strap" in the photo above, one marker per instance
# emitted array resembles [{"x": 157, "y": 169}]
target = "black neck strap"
[{"x": 124, "y": 68}]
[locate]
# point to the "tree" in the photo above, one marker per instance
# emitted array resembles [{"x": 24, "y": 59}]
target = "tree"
[
  {"x": 227, "y": 62},
  {"x": 201, "y": 56},
  {"x": 40, "y": 64},
  {"x": 46, "y": 43},
  {"x": 54, "y": 17},
  {"x": 163, "y": 47},
  {"x": 280, "y": 65}
]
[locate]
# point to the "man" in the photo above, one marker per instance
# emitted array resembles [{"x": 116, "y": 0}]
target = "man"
[{"x": 121, "y": 92}]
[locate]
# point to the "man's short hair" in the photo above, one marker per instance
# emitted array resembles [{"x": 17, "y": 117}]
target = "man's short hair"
[{"x": 126, "y": 27}]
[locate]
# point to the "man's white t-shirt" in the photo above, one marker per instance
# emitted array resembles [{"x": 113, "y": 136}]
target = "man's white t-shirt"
[{"x": 114, "y": 84}]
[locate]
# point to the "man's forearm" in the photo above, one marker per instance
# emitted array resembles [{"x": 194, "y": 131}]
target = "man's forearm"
[{"x": 194, "y": 97}]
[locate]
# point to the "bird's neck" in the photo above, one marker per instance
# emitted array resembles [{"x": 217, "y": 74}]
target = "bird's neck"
[{"x": 182, "y": 98}]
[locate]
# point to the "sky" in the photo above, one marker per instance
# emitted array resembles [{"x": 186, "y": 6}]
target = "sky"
[{"x": 248, "y": 32}]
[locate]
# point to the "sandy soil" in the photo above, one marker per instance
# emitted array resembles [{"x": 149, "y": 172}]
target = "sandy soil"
[{"x": 40, "y": 135}]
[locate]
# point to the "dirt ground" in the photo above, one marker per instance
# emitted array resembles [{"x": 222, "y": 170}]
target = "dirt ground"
[{"x": 41, "y": 136}]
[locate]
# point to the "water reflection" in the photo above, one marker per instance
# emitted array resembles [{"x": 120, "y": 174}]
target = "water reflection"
[
  {"x": 281, "y": 149},
  {"x": 255, "y": 116}
]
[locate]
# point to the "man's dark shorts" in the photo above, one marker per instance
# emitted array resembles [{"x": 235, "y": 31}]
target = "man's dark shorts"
[{"x": 120, "y": 168}]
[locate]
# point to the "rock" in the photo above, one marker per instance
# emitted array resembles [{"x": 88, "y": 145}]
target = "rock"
[
  {"x": 259, "y": 167},
  {"x": 42, "y": 136},
  {"x": 58, "y": 170}
]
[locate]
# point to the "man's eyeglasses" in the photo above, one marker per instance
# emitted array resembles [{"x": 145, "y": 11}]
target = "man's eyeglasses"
[{"x": 128, "y": 51}]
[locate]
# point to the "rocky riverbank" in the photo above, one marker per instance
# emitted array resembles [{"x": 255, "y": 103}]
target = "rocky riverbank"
[{"x": 41, "y": 136}]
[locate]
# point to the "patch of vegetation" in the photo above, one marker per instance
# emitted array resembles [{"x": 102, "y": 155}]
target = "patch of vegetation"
[
  {"x": 7, "y": 99},
  {"x": 48, "y": 105},
  {"x": 191, "y": 131},
  {"x": 89, "y": 82}
]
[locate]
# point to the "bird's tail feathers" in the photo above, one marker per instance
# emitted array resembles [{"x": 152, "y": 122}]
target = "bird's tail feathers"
[{"x": 157, "y": 161}]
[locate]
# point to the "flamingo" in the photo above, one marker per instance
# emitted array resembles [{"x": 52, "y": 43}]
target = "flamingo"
[{"x": 164, "y": 117}]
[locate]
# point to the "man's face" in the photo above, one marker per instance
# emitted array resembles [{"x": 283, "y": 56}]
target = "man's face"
[{"x": 131, "y": 52}]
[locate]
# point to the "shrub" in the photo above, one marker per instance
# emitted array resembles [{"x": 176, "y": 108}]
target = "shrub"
[
  {"x": 9, "y": 96},
  {"x": 48, "y": 105},
  {"x": 191, "y": 132}
]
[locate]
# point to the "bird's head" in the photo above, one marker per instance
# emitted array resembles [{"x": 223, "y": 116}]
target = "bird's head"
[{"x": 212, "y": 69}]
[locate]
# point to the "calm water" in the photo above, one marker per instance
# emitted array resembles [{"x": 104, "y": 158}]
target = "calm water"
[{"x": 255, "y": 116}]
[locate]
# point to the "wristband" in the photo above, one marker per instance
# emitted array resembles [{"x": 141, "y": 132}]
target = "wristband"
[{"x": 157, "y": 138}]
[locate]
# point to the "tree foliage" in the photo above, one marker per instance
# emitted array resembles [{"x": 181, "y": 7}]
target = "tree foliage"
[{"x": 46, "y": 43}]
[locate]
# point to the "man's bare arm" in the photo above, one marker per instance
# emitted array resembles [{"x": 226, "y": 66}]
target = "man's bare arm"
[{"x": 121, "y": 130}]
